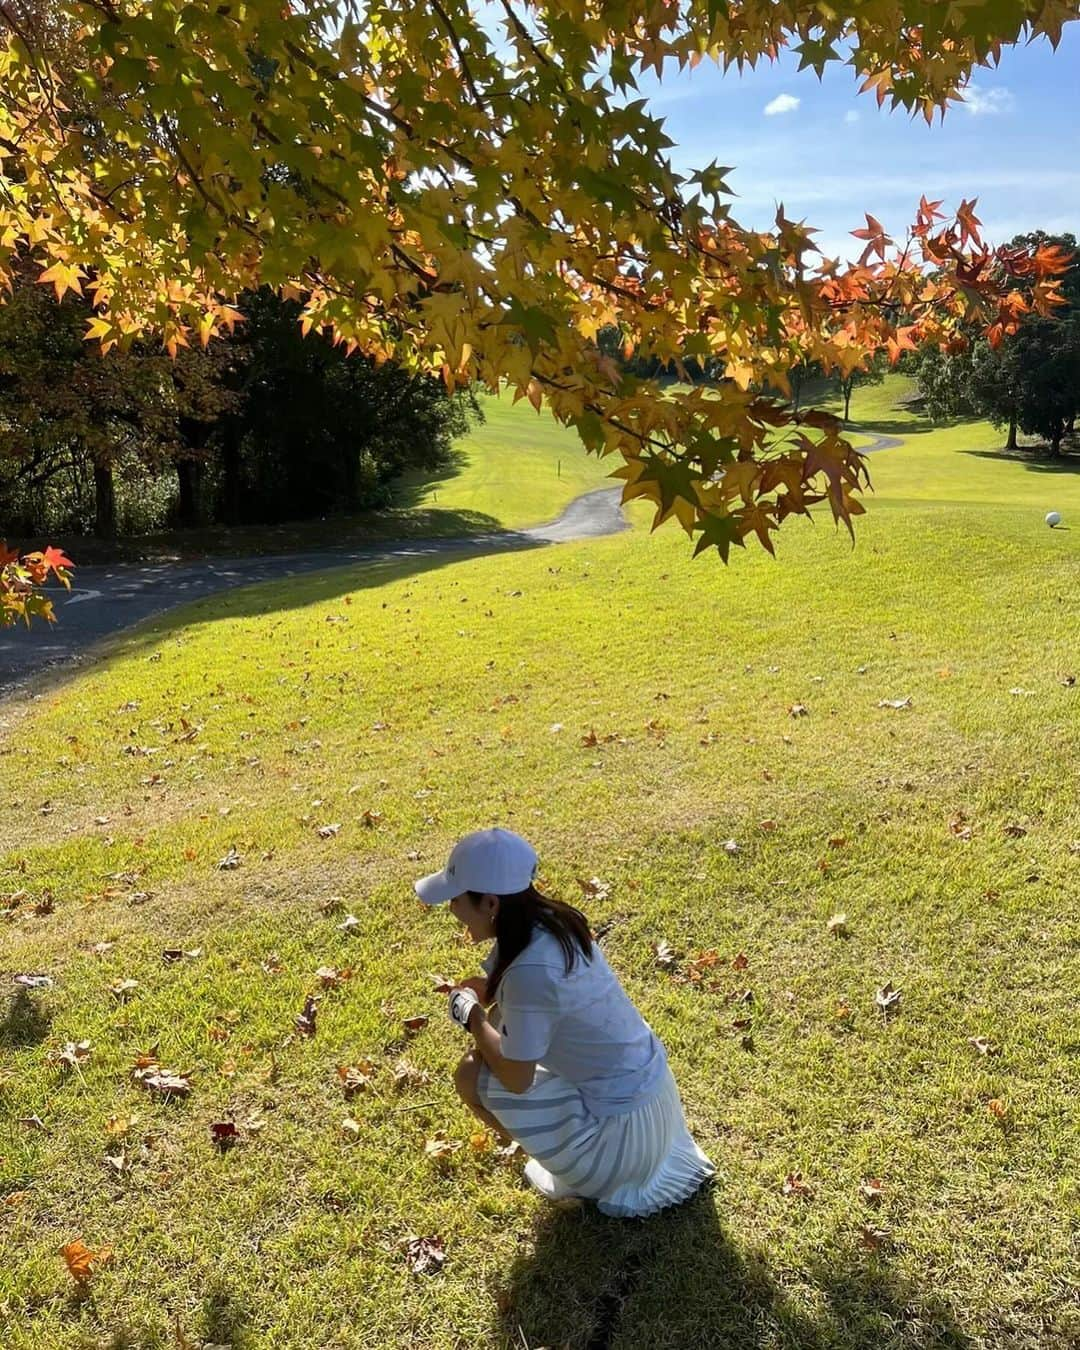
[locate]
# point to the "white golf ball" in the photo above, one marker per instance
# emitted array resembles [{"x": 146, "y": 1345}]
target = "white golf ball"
[{"x": 1053, "y": 518}]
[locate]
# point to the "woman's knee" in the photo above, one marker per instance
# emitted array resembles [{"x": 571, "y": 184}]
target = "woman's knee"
[{"x": 465, "y": 1078}]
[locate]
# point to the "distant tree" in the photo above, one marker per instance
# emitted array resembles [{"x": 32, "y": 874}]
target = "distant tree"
[
  {"x": 873, "y": 373},
  {"x": 1029, "y": 380}
]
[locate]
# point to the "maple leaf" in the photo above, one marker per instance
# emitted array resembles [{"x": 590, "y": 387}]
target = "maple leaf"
[
  {"x": 81, "y": 1261},
  {"x": 414, "y": 1024}
]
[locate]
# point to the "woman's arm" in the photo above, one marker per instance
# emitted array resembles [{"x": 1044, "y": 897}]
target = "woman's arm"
[{"x": 516, "y": 1075}]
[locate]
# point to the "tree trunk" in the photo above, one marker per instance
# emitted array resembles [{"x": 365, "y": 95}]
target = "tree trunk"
[
  {"x": 1010, "y": 444},
  {"x": 104, "y": 501},
  {"x": 847, "y": 399},
  {"x": 189, "y": 478},
  {"x": 230, "y": 465}
]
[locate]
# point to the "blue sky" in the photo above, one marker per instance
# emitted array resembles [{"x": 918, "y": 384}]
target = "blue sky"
[{"x": 830, "y": 153}]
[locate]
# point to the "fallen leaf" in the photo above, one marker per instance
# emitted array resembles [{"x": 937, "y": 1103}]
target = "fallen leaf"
[
  {"x": 230, "y": 861},
  {"x": 1014, "y": 831},
  {"x": 843, "y": 1011},
  {"x": 305, "y": 1021},
  {"x": 740, "y": 962},
  {"x": 72, "y": 1054},
  {"x": 837, "y": 925},
  {"x": 874, "y": 1238},
  {"x": 872, "y": 1189},
  {"x": 330, "y": 977},
  {"x": 894, "y": 703},
  {"x": 798, "y": 710},
  {"x": 440, "y": 1146},
  {"x": 1022, "y": 693},
  {"x": 594, "y": 888},
  {"x": 350, "y": 1127},
  {"x": 370, "y": 819},
  {"x": 356, "y": 1077},
  {"x": 886, "y": 997},
  {"x": 767, "y": 825},
  {"x": 959, "y": 827},
  {"x": 664, "y": 955},
  {"x": 119, "y": 1126},
  {"x": 730, "y": 847},
  {"x": 406, "y": 1076},
  {"x": 414, "y": 1024},
  {"x": 81, "y": 1261},
  {"x": 480, "y": 1142},
  {"x": 348, "y": 923},
  {"x": 837, "y": 841},
  {"x": 793, "y": 1184},
  {"x": 441, "y": 984},
  {"x": 33, "y": 981},
  {"x": 122, "y": 988},
  {"x": 983, "y": 1046},
  {"x": 169, "y": 1082},
  {"x": 34, "y": 1122},
  {"x": 223, "y": 1134},
  {"x": 590, "y": 739},
  {"x": 327, "y": 831},
  {"x": 998, "y": 1108},
  {"x": 425, "y": 1255},
  {"x": 171, "y": 954}
]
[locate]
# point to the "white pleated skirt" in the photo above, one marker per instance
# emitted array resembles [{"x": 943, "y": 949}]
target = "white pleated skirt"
[{"x": 632, "y": 1164}]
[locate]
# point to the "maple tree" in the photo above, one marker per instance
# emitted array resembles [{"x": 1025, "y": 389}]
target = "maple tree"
[{"x": 479, "y": 200}]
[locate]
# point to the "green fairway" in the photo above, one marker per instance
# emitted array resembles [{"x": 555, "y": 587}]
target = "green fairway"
[
  {"x": 630, "y": 711},
  {"x": 517, "y": 467}
]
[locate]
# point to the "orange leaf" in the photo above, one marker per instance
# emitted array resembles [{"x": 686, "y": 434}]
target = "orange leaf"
[{"x": 81, "y": 1261}]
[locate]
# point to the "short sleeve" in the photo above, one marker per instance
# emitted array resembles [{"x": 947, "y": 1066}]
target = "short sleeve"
[{"x": 528, "y": 1012}]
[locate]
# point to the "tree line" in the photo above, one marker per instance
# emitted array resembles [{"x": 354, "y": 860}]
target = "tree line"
[
  {"x": 262, "y": 425},
  {"x": 1028, "y": 382}
]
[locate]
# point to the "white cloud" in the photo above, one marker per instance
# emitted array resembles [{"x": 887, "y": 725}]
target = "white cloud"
[
  {"x": 851, "y": 116},
  {"x": 782, "y": 103},
  {"x": 979, "y": 102}
]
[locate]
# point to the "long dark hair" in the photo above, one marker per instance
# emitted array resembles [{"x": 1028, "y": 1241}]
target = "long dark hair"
[{"x": 520, "y": 913}]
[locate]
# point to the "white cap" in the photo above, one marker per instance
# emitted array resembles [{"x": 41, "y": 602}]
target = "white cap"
[{"x": 494, "y": 862}]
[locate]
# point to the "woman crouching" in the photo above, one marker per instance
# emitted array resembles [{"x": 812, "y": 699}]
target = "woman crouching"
[{"x": 562, "y": 1061}]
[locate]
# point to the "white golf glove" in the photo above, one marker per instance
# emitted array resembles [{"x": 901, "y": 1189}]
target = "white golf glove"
[{"x": 462, "y": 1002}]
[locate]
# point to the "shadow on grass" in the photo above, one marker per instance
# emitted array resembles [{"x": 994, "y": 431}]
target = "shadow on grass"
[
  {"x": 25, "y": 1023},
  {"x": 909, "y": 426},
  {"x": 677, "y": 1280},
  {"x": 1030, "y": 459}
]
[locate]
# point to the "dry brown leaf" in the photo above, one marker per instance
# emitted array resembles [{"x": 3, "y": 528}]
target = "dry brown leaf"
[
  {"x": 767, "y": 825},
  {"x": 837, "y": 925},
  {"x": 874, "y": 1238},
  {"x": 406, "y": 1076},
  {"x": 441, "y": 984},
  {"x": 793, "y": 1184},
  {"x": 887, "y": 997},
  {"x": 1014, "y": 831},
  {"x": 983, "y": 1046},
  {"x": 328, "y": 831},
  {"x": 231, "y": 860},
  {"x": 425, "y": 1255},
  {"x": 356, "y": 1077},
  {"x": 81, "y": 1261},
  {"x": 740, "y": 962},
  {"x": 480, "y": 1142},
  {"x": 414, "y": 1024},
  {"x": 440, "y": 1146},
  {"x": 798, "y": 710},
  {"x": 72, "y": 1054},
  {"x": 305, "y": 1021},
  {"x": 872, "y": 1189},
  {"x": 998, "y": 1108},
  {"x": 122, "y": 989}
]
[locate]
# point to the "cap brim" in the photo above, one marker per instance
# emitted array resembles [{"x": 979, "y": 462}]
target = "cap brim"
[{"x": 436, "y": 889}]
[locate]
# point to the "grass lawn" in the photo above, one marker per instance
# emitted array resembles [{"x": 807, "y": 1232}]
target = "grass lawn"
[
  {"x": 517, "y": 467},
  {"x": 630, "y": 711}
]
